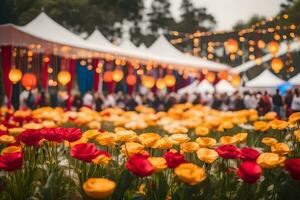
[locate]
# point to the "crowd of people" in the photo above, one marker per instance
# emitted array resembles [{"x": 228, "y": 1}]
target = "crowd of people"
[{"x": 263, "y": 102}]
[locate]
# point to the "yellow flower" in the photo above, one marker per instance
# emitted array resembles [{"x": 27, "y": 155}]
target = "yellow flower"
[
  {"x": 280, "y": 148},
  {"x": 207, "y": 155},
  {"x": 101, "y": 159},
  {"x": 175, "y": 129},
  {"x": 3, "y": 128},
  {"x": 295, "y": 117},
  {"x": 131, "y": 148},
  {"x": 48, "y": 124},
  {"x": 179, "y": 138},
  {"x": 278, "y": 124},
  {"x": 269, "y": 141},
  {"x": 159, "y": 163},
  {"x": 269, "y": 160},
  {"x": 81, "y": 140},
  {"x": 106, "y": 139},
  {"x": 206, "y": 141},
  {"x": 148, "y": 139},
  {"x": 261, "y": 126},
  {"x": 11, "y": 149},
  {"x": 201, "y": 131},
  {"x": 163, "y": 143},
  {"x": 228, "y": 140},
  {"x": 270, "y": 116},
  {"x": 227, "y": 125},
  {"x": 126, "y": 136},
  {"x": 91, "y": 134},
  {"x": 32, "y": 126},
  {"x": 189, "y": 147},
  {"x": 15, "y": 131},
  {"x": 7, "y": 139},
  {"x": 253, "y": 117},
  {"x": 297, "y": 135},
  {"x": 94, "y": 125},
  {"x": 240, "y": 137},
  {"x": 99, "y": 188},
  {"x": 190, "y": 173}
]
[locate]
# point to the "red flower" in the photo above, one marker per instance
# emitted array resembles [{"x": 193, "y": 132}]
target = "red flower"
[
  {"x": 85, "y": 151},
  {"x": 139, "y": 165},
  {"x": 228, "y": 151},
  {"x": 174, "y": 159},
  {"x": 249, "y": 171},
  {"x": 30, "y": 137},
  {"x": 52, "y": 134},
  {"x": 11, "y": 161},
  {"x": 249, "y": 154},
  {"x": 71, "y": 134},
  {"x": 293, "y": 167}
]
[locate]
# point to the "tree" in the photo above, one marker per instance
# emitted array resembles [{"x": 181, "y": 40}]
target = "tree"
[
  {"x": 194, "y": 19},
  {"x": 253, "y": 20},
  {"x": 160, "y": 17}
]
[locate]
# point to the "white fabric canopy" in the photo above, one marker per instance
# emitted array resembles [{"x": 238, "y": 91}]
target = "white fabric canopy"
[
  {"x": 190, "y": 88},
  {"x": 127, "y": 44},
  {"x": 295, "y": 80},
  {"x": 205, "y": 86},
  {"x": 163, "y": 47},
  {"x": 143, "y": 47},
  {"x": 283, "y": 49},
  {"x": 265, "y": 80},
  {"x": 224, "y": 86},
  {"x": 98, "y": 38}
]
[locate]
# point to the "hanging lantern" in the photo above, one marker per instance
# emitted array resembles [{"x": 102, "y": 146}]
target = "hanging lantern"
[
  {"x": 29, "y": 81},
  {"x": 261, "y": 44},
  {"x": 223, "y": 75},
  {"x": 148, "y": 81},
  {"x": 131, "y": 79},
  {"x": 273, "y": 47},
  {"x": 232, "y": 46},
  {"x": 170, "y": 80},
  {"x": 117, "y": 75},
  {"x": 211, "y": 77},
  {"x": 108, "y": 76},
  {"x": 236, "y": 80},
  {"x": 160, "y": 83},
  {"x": 64, "y": 77},
  {"x": 276, "y": 65},
  {"x": 15, "y": 75}
]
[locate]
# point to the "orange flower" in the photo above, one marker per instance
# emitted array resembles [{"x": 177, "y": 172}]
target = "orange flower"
[{"x": 261, "y": 126}]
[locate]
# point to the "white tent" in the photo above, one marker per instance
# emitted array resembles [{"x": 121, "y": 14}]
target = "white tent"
[
  {"x": 205, "y": 86},
  {"x": 283, "y": 49},
  {"x": 265, "y": 80},
  {"x": 190, "y": 88},
  {"x": 162, "y": 47},
  {"x": 224, "y": 86},
  {"x": 295, "y": 80},
  {"x": 98, "y": 38},
  {"x": 127, "y": 44},
  {"x": 143, "y": 47}
]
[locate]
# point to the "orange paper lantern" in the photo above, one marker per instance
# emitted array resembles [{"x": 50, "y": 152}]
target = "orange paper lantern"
[
  {"x": 29, "y": 81},
  {"x": 211, "y": 77},
  {"x": 273, "y": 47},
  {"x": 170, "y": 80},
  {"x": 232, "y": 46},
  {"x": 276, "y": 65},
  {"x": 236, "y": 80},
  {"x": 15, "y": 75},
  {"x": 160, "y": 83},
  {"x": 108, "y": 76},
  {"x": 148, "y": 81},
  {"x": 223, "y": 75},
  {"x": 131, "y": 79},
  {"x": 64, "y": 77},
  {"x": 118, "y": 75}
]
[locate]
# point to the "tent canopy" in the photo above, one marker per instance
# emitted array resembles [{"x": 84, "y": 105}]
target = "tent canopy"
[
  {"x": 295, "y": 80},
  {"x": 127, "y": 44},
  {"x": 205, "y": 86},
  {"x": 98, "y": 38},
  {"x": 265, "y": 80},
  {"x": 224, "y": 86},
  {"x": 163, "y": 47},
  {"x": 189, "y": 89}
]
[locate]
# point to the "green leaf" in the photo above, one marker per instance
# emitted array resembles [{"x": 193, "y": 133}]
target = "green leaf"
[{"x": 124, "y": 183}]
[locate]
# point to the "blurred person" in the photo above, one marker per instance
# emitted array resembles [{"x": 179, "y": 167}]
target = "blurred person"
[
  {"x": 296, "y": 101},
  {"x": 77, "y": 102},
  {"x": 198, "y": 99},
  {"x": 88, "y": 99},
  {"x": 264, "y": 104},
  {"x": 277, "y": 103},
  {"x": 288, "y": 102}
]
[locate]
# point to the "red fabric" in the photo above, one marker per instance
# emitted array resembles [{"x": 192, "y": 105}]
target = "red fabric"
[
  {"x": 70, "y": 84},
  {"x": 110, "y": 87},
  {"x": 45, "y": 75},
  {"x": 6, "y": 65},
  {"x": 96, "y": 75},
  {"x": 130, "y": 88}
]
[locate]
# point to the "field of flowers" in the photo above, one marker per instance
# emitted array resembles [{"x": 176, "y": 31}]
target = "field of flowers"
[{"x": 189, "y": 152}]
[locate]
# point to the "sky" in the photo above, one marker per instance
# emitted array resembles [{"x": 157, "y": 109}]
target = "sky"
[{"x": 229, "y": 12}]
